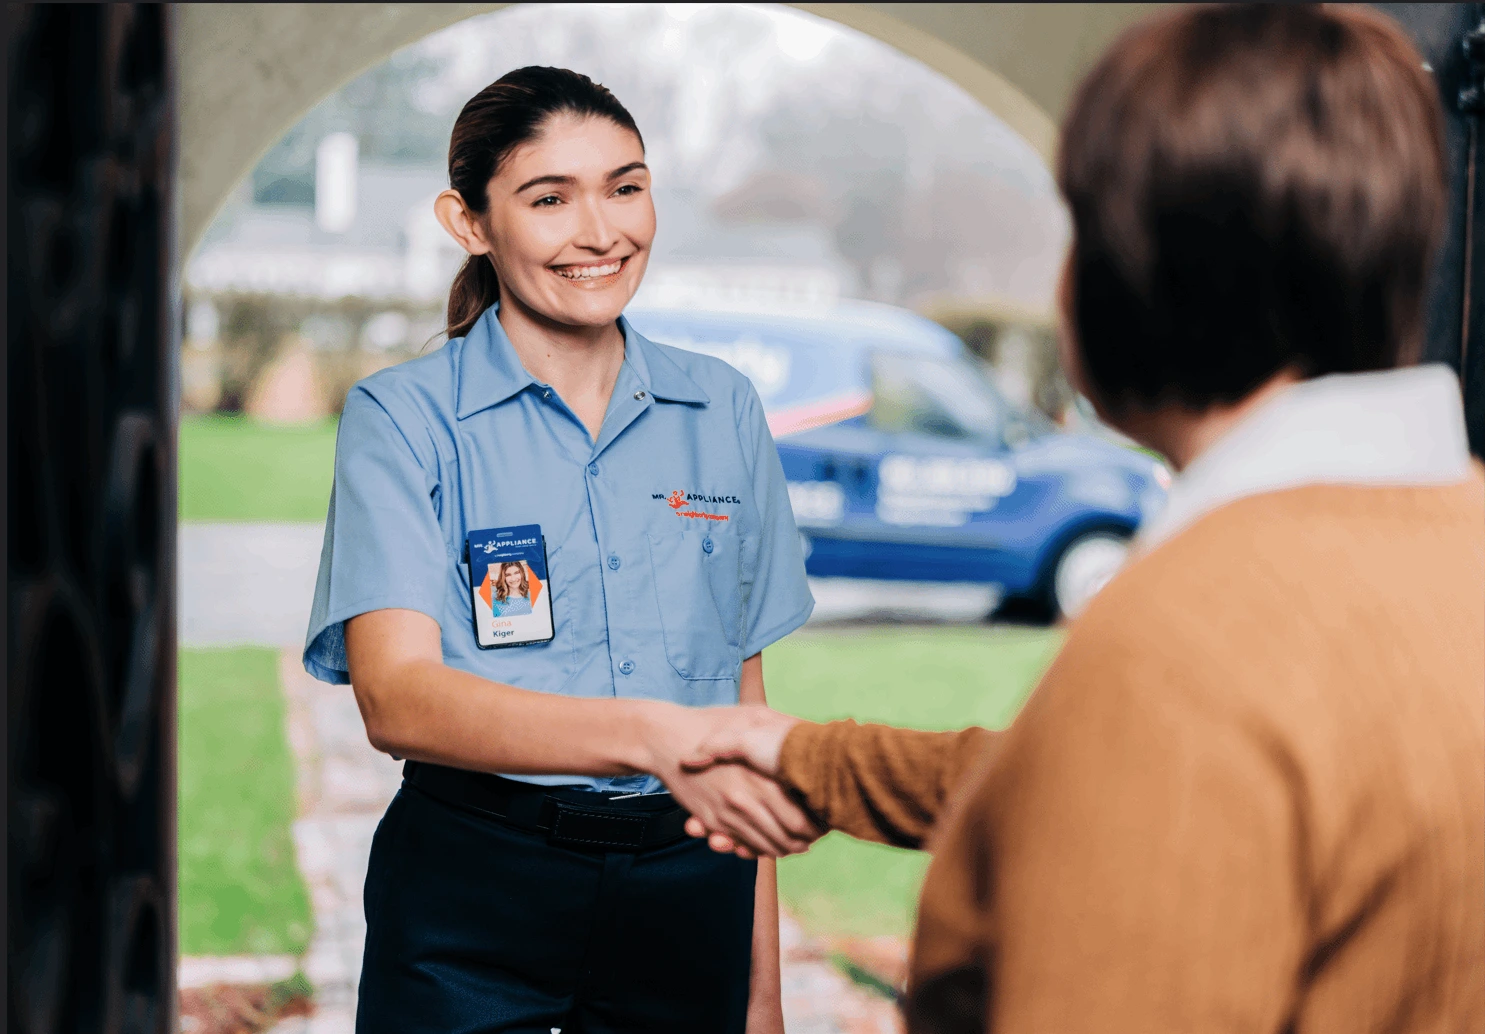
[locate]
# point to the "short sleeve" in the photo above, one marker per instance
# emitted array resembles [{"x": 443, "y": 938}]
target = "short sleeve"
[
  {"x": 383, "y": 546},
  {"x": 778, "y": 600}
]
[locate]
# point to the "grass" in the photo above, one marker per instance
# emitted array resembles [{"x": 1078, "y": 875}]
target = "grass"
[
  {"x": 925, "y": 678},
  {"x": 239, "y": 886},
  {"x": 233, "y": 469}
]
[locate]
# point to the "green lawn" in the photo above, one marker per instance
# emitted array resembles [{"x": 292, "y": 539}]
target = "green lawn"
[
  {"x": 233, "y": 469},
  {"x": 925, "y": 678},
  {"x": 240, "y": 889}
]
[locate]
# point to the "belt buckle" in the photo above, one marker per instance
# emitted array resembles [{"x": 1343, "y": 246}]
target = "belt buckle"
[{"x": 588, "y": 827}]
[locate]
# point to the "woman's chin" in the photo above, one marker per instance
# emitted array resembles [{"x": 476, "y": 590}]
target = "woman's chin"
[{"x": 586, "y": 306}]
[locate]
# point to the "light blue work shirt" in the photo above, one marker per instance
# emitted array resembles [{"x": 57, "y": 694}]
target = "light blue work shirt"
[{"x": 671, "y": 548}]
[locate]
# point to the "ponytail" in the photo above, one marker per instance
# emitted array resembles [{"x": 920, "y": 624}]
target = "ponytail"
[
  {"x": 473, "y": 291},
  {"x": 504, "y": 115}
]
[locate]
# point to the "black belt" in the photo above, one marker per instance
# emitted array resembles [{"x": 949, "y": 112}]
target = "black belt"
[{"x": 568, "y": 816}]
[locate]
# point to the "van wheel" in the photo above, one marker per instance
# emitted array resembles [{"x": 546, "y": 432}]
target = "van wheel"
[{"x": 1085, "y": 567}]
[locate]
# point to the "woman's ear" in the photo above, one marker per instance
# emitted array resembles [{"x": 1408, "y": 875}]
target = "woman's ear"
[{"x": 460, "y": 223}]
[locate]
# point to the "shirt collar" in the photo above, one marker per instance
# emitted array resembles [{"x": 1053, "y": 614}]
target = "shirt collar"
[
  {"x": 1396, "y": 427},
  {"x": 658, "y": 372},
  {"x": 490, "y": 371}
]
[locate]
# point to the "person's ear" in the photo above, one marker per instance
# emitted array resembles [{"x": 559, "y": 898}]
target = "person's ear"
[{"x": 460, "y": 223}]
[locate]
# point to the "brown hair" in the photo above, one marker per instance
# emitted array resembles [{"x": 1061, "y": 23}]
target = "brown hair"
[
  {"x": 1253, "y": 188},
  {"x": 501, "y": 592},
  {"x": 504, "y": 115}
]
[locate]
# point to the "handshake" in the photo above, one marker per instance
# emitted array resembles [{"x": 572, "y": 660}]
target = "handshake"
[{"x": 721, "y": 765}]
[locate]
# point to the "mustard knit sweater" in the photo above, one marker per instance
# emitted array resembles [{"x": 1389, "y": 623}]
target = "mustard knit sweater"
[{"x": 1248, "y": 796}]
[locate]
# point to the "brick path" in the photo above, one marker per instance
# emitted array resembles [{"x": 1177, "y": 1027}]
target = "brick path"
[{"x": 344, "y": 786}]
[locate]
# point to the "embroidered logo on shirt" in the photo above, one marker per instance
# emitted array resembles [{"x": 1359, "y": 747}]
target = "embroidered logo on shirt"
[{"x": 684, "y": 504}]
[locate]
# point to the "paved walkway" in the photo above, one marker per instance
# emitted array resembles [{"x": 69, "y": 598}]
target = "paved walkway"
[
  {"x": 344, "y": 786},
  {"x": 246, "y": 584}
]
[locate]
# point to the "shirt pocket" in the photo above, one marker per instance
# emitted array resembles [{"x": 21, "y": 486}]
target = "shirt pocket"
[{"x": 698, "y": 574}]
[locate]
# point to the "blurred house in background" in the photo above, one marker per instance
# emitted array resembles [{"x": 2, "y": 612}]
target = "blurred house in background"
[
  {"x": 796, "y": 163},
  {"x": 766, "y": 244}
]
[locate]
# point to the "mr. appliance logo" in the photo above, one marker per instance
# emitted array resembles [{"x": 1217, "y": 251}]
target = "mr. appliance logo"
[
  {"x": 684, "y": 504},
  {"x": 490, "y": 547}
]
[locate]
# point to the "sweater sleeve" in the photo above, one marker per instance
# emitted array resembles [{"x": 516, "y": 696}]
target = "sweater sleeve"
[{"x": 876, "y": 782}]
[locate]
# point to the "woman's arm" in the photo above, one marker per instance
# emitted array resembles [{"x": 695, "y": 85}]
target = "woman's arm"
[
  {"x": 874, "y": 782},
  {"x": 765, "y": 992},
  {"x": 415, "y": 706}
]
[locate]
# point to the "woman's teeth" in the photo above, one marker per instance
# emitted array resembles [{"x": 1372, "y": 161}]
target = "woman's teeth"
[{"x": 588, "y": 272}]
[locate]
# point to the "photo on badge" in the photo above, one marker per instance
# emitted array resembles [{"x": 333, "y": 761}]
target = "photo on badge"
[{"x": 510, "y": 591}]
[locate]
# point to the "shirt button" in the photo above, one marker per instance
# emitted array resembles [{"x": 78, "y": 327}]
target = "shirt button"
[
  {"x": 639, "y": 396},
  {"x": 626, "y": 668},
  {"x": 706, "y": 545},
  {"x": 613, "y": 562},
  {"x": 593, "y": 469}
]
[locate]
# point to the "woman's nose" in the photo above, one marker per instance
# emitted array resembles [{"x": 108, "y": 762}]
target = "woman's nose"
[{"x": 594, "y": 233}]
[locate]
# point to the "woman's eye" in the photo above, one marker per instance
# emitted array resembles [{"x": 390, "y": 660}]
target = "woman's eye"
[
  {"x": 627, "y": 189},
  {"x": 546, "y": 202}
]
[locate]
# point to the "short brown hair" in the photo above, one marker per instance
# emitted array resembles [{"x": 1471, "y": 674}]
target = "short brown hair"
[{"x": 1253, "y": 188}]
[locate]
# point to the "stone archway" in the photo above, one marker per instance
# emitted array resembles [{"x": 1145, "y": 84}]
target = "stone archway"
[{"x": 1019, "y": 60}]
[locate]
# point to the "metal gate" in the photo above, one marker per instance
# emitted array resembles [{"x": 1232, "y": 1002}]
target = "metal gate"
[{"x": 90, "y": 415}]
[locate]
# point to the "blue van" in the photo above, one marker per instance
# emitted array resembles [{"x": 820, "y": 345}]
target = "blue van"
[{"x": 906, "y": 463}]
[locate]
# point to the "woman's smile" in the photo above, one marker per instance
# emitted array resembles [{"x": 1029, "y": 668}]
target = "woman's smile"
[{"x": 591, "y": 272}]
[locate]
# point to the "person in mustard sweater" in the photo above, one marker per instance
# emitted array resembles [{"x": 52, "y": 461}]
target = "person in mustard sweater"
[{"x": 1249, "y": 794}]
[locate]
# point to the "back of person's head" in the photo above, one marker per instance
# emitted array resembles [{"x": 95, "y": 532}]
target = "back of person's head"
[
  {"x": 511, "y": 111},
  {"x": 1254, "y": 188}
]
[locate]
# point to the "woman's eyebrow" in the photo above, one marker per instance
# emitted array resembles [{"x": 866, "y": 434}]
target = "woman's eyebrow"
[
  {"x": 558, "y": 180},
  {"x": 567, "y": 181}
]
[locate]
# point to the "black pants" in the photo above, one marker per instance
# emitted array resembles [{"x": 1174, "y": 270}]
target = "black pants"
[{"x": 476, "y": 926}]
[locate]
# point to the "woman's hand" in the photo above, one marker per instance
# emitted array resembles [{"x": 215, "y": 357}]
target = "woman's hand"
[
  {"x": 751, "y": 735},
  {"x": 751, "y": 811}
]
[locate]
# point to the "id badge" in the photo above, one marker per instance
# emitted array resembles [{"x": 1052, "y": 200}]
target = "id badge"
[{"x": 509, "y": 590}]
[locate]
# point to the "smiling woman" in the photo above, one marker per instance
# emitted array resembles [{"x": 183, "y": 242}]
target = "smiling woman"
[
  {"x": 527, "y": 198},
  {"x": 534, "y": 873}
]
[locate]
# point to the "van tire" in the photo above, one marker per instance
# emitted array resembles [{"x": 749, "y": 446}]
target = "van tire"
[{"x": 1085, "y": 566}]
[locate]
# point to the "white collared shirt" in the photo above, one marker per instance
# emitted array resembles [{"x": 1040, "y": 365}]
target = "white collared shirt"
[{"x": 1396, "y": 427}]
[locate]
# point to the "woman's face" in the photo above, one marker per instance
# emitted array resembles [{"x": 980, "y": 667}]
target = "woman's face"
[
  {"x": 513, "y": 579},
  {"x": 570, "y": 221}
]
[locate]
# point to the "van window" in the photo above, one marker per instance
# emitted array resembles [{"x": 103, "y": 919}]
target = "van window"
[{"x": 947, "y": 398}]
